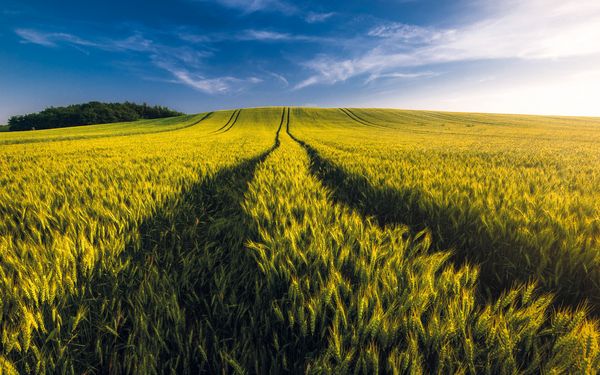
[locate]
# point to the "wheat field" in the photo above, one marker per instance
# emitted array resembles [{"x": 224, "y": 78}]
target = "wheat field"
[{"x": 302, "y": 240}]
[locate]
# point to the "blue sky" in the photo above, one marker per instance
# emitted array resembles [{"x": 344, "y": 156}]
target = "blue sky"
[{"x": 516, "y": 56}]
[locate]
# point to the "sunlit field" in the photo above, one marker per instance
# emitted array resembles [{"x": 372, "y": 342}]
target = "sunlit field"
[{"x": 302, "y": 240}]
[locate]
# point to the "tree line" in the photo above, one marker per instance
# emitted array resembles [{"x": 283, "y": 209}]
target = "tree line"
[{"x": 88, "y": 113}]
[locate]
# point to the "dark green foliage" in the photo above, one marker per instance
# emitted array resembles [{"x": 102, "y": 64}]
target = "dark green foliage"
[{"x": 88, "y": 113}]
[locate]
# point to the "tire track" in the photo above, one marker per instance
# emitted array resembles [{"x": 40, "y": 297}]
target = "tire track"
[
  {"x": 287, "y": 125},
  {"x": 234, "y": 122},
  {"x": 228, "y": 121},
  {"x": 197, "y": 234},
  {"x": 229, "y": 124},
  {"x": 362, "y": 119},
  {"x": 357, "y": 119},
  {"x": 343, "y": 110},
  {"x": 281, "y": 125},
  {"x": 386, "y": 207},
  {"x": 392, "y": 206}
]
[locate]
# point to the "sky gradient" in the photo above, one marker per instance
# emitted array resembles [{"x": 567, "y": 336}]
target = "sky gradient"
[{"x": 526, "y": 56}]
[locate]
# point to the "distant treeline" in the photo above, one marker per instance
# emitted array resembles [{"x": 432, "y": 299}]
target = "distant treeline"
[{"x": 88, "y": 113}]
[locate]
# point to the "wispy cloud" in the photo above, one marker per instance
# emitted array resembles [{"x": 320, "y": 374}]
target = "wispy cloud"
[
  {"x": 188, "y": 36},
  {"x": 51, "y": 39},
  {"x": 329, "y": 71},
  {"x": 288, "y": 8},
  {"x": 183, "y": 63},
  {"x": 136, "y": 42},
  {"x": 527, "y": 29},
  {"x": 280, "y": 78},
  {"x": 263, "y": 35},
  {"x": 313, "y": 17},
  {"x": 210, "y": 86},
  {"x": 250, "y": 35},
  {"x": 399, "y": 75},
  {"x": 201, "y": 83},
  {"x": 412, "y": 34},
  {"x": 266, "y": 36},
  {"x": 252, "y": 6}
]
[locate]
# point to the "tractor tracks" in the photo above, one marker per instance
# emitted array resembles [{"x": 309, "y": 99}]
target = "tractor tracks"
[
  {"x": 230, "y": 123},
  {"x": 360, "y": 120}
]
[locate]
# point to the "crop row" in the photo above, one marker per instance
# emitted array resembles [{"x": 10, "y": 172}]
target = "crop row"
[
  {"x": 92, "y": 268},
  {"x": 523, "y": 209}
]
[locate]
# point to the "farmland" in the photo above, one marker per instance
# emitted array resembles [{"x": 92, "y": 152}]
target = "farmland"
[{"x": 302, "y": 240}]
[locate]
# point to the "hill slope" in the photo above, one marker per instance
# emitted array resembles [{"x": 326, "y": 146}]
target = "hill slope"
[{"x": 340, "y": 239}]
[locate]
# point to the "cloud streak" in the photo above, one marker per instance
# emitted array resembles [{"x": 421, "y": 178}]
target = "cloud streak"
[
  {"x": 280, "y": 78},
  {"x": 528, "y": 29},
  {"x": 252, "y": 6},
  {"x": 251, "y": 35},
  {"x": 399, "y": 75},
  {"x": 248, "y": 7},
  {"x": 273, "y": 36},
  {"x": 183, "y": 63},
  {"x": 51, "y": 39},
  {"x": 196, "y": 81},
  {"x": 313, "y": 17}
]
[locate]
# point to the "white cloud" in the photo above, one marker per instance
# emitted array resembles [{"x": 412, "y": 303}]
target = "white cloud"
[
  {"x": 308, "y": 82},
  {"x": 251, "y": 6},
  {"x": 400, "y": 32},
  {"x": 263, "y": 35},
  {"x": 50, "y": 39},
  {"x": 274, "y": 36},
  {"x": 182, "y": 63},
  {"x": 135, "y": 42},
  {"x": 209, "y": 86},
  {"x": 196, "y": 80},
  {"x": 194, "y": 38},
  {"x": 281, "y": 6},
  {"x": 526, "y": 29},
  {"x": 254, "y": 80},
  {"x": 330, "y": 71},
  {"x": 398, "y": 75},
  {"x": 251, "y": 35},
  {"x": 313, "y": 17},
  {"x": 280, "y": 78}
]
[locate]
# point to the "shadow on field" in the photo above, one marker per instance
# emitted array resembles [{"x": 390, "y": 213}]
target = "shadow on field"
[
  {"x": 180, "y": 296},
  {"x": 503, "y": 262}
]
